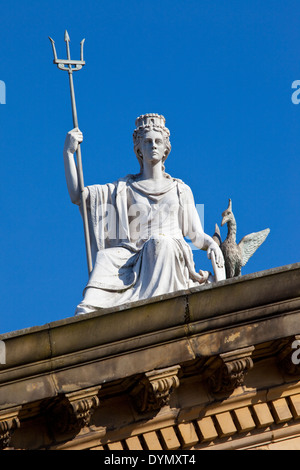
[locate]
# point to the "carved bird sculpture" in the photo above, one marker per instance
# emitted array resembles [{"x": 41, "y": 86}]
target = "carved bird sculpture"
[{"x": 237, "y": 255}]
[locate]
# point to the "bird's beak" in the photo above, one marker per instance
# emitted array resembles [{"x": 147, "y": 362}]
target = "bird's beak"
[{"x": 224, "y": 220}]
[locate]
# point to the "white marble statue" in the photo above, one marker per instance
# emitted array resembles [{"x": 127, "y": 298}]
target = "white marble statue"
[{"x": 138, "y": 224}]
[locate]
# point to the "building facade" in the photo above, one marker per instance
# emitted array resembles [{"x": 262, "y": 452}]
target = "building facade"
[{"x": 211, "y": 368}]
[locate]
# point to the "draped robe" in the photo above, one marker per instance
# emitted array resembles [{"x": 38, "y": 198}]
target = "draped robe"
[{"x": 138, "y": 242}]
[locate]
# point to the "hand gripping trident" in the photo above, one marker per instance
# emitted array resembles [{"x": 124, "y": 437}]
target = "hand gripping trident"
[{"x": 72, "y": 66}]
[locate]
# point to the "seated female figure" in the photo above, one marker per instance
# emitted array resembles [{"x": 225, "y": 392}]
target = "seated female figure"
[{"x": 138, "y": 225}]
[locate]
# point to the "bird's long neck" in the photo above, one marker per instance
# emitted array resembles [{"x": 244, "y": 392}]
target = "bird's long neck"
[{"x": 231, "y": 224}]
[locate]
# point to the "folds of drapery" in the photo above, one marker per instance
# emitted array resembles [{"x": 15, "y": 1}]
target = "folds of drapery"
[{"x": 126, "y": 271}]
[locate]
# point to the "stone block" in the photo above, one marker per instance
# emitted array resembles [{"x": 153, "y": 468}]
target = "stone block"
[
  {"x": 115, "y": 445},
  {"x": 262, "y": 415},
  {"x": 188, "y": 434},
  {"x": 243, "y": 419},
  {"x": 133, "y": 443},
  {"x": 152, "y": 441},
  {"x": 281, "y": 410},
  {"x": 169, "y": 438},
  {"x": 294, "y": 402},
  {"x": 225, "y": 424},
  {"x": 207, "y": 429}
]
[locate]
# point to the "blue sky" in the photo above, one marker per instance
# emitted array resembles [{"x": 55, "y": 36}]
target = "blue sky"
[{"x": 220, "y": 72}]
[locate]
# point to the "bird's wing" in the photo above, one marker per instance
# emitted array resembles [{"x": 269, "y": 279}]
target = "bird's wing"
[
  {"x": 251, "y": 242},
  {"x": 217, "y": 236}
]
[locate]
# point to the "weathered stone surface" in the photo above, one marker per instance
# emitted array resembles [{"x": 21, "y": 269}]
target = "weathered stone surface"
[
  {"x": 190, "y": 331},
  {"x": 211, "y": 326}
]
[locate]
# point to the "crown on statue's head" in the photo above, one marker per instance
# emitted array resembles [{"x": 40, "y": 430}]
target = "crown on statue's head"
[{"x": 150, "y": 120}]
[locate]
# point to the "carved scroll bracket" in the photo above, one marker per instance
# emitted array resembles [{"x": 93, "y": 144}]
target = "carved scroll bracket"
[
  {"x": 73, "y": 411},
  {"x": 154, "y": 389},
  {"x": 227, "y": 371},
  {"x": 8, "y": 424}
]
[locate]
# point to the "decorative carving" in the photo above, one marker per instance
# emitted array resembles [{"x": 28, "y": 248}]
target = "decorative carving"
[
  {"x": 289, "y": 357},
  {"x": 7, "y": 427},
  {"x": 153, "y": 391},
  {"x": 73, "y": 411},
  {"x": 229, "y": 370}
]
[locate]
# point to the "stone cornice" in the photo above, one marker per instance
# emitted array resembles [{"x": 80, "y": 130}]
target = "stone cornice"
[
  {"x": 244, "y": 421},
  {"x": 95, "y": 350}
]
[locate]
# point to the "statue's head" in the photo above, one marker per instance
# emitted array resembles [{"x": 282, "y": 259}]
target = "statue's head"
[{"x": 144, "y": 124}]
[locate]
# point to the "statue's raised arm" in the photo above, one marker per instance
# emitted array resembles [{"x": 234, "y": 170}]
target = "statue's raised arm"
[{"x": 73, "y": 139}]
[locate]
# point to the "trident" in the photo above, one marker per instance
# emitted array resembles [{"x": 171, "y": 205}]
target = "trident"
[{"x": 72, "y": 66}]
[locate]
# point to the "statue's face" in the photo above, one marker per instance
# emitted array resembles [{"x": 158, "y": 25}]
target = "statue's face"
[{"x": 152, "y": 146}]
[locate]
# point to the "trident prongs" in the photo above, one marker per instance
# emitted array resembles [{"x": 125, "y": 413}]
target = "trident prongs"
[
  {"x": 68, "y": 64},
  {"x": 54, "y": 50}
]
